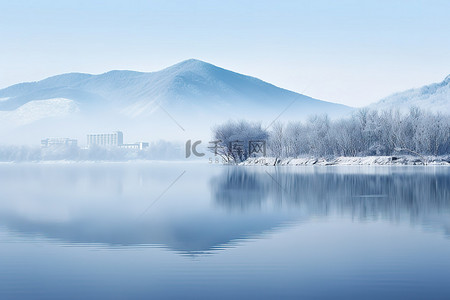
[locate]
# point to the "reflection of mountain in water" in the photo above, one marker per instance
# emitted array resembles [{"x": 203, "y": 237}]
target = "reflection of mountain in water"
[
  {"x": 103, "y": 203},
  {"x": 187, "y": 236},
  {"x": 100, "y": 204}
]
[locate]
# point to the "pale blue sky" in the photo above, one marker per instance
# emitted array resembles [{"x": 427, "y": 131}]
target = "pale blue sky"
[{"x": 351, "y": 52}]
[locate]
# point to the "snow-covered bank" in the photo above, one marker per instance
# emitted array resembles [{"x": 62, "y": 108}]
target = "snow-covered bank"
[{"x": 365, "y": 160}]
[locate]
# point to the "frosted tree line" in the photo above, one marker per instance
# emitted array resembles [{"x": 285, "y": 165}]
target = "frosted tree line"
[{"x": 367, "y": 132}]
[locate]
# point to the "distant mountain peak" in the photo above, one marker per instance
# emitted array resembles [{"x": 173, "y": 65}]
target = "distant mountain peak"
[
  {"x": 193, "y": 62},
  {"x": 192, "y": 65}
]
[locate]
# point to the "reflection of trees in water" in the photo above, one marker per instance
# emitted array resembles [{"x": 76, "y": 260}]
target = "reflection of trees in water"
[
  {"x": 419, "y": 196},
  {"x": 237, "y": 190}
]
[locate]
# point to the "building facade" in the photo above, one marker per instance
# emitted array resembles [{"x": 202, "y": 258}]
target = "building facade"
[
  {"x": 114, "y": 139},
  {"x": 135, "y": 146},
  {"x": 58, "y": 142}
]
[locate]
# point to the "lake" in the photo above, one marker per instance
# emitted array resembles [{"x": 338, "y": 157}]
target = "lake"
[{"x": 166, "y": 230}]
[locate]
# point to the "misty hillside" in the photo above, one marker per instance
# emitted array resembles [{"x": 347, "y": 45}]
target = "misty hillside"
[
  {"x": 191, "y": 82},
  {"x": 434, "y": 97},
  {"x": 194, "y": 94}
]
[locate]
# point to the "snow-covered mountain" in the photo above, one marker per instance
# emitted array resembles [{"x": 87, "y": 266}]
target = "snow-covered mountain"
[
  {"x": 434, "y": 97},
  {"x": 190, "y": 96}
]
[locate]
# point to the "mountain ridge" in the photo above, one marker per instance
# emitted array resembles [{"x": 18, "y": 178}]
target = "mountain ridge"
[
  {"x": 148, "y": 105},
  {"x": 433, "y": 97},
  {"x": 187, "y": 76}
]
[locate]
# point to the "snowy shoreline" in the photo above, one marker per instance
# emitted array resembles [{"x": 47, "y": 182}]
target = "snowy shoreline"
[
  {"x": 272, "y": 161},
  {"x": 348, "y": 161}
]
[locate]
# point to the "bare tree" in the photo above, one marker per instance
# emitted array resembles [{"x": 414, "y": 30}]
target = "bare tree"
[{"x": 233, "y": 139}]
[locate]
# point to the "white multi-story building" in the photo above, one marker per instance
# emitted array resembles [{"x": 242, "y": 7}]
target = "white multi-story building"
[
  {"x": 106, "y": 139},
  {"x": 58, "y": 142},
  {"x": 113, "y": 140},
  {"x": 136, "y": 146}
]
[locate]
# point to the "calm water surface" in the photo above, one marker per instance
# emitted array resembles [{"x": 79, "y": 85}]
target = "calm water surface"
[{"x": 199, "y": 231}]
